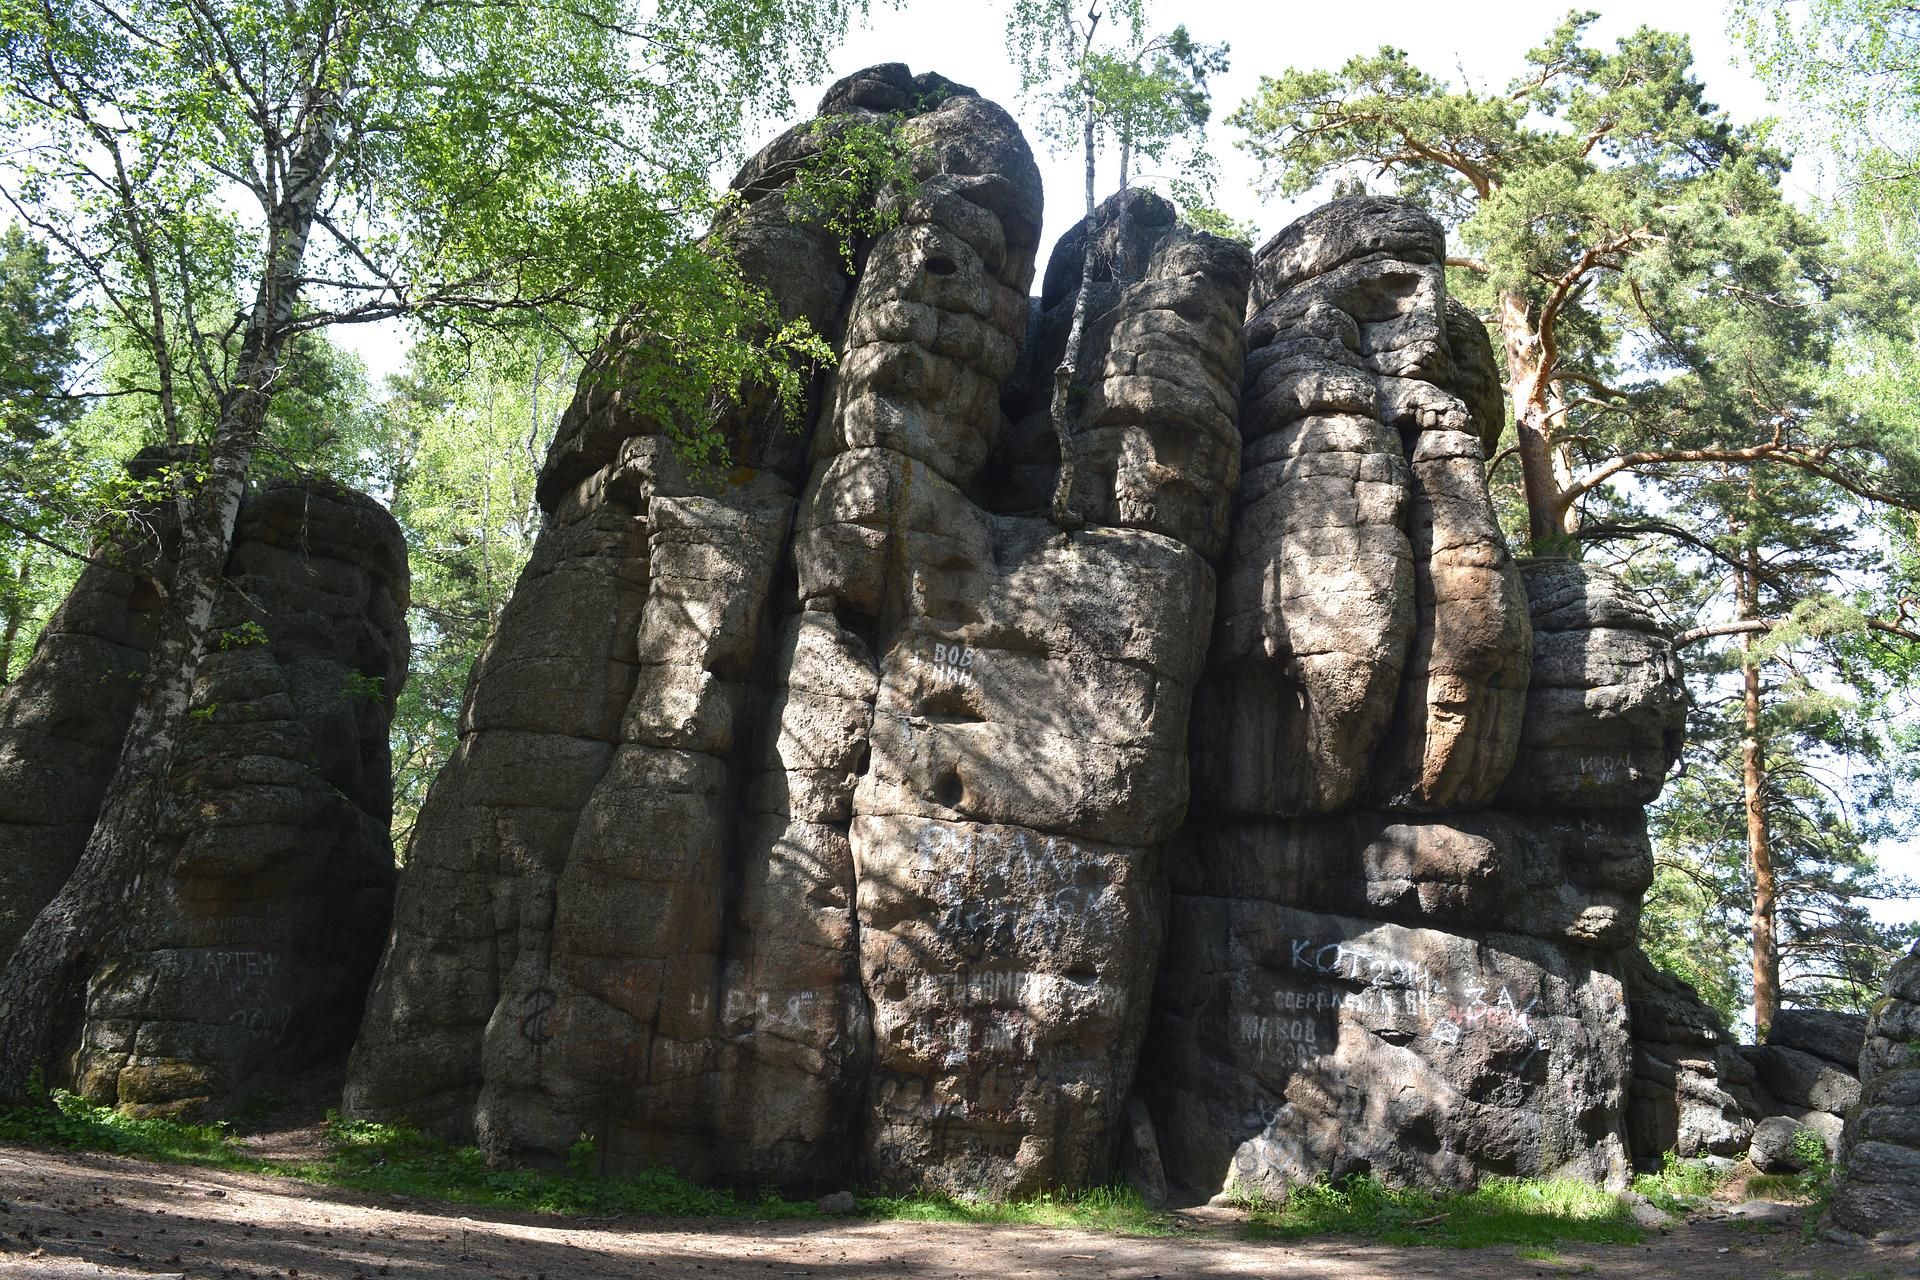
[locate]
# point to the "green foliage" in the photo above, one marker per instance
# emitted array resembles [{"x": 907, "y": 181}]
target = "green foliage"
[
  {"x": 1526, "y": 1211},
  {"x": 857, "y": 180},
  {"x": 247, "y": 635},
  {"x": 397, "y": 1159},
  {"x": 1813, "y": 1185},
  {"x": 357, "y": 686},
  {"x": 1680, "y": 1186},
  {"x": 1674, "y": 310},
  {"x": 1811, "y": 1149},
  {"x": 1146, "y": 95},
  {"x": 702, "y": 341},
  {"x": 58, "y": 1118},
  {"x": 1851, "y": 71},
  {"x": 39, "y": 342}
]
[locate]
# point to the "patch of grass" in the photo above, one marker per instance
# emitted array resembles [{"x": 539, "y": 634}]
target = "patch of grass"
[
  {"x": 1116, "y": 1209},
  {"x": 1778, "y": 1186},
  {"x": 60, "y": 1119},
  {"x": 1681, "y": 1186},
  {"x": 400, "y": 1160},
  {"x": 1501, "y": 1211}
]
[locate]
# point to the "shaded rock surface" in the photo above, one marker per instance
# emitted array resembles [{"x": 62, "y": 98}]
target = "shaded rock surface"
[
  {"x": 1791, "y": 1079},
  {"x": 1778, "y": 1145},
  {"x": 1878, "y": 1194},
  {"x": 1606, "y": 711},
  {"x": 249, "y": 952},
  {"x": 1832, "y": 1034},
  {"x": 62, "y": 720},
  {"x": 1685, "y": 1064}
]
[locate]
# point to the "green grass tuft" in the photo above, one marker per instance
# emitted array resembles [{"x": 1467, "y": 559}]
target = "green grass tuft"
[
  {"x": 1501, "y": 1211},
  {"x": 400, "y": 1160},
  {"x": 63, "y": 1120},
  {"x": 1116, "y": 1209},
  {"x": 1681, "y": 1186}
]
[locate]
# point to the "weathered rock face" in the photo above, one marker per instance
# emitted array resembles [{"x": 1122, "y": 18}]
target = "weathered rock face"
[
  {"x": 844, "y": 852},
  {"x": 61, "y": 725},
  {"x": 808, "y": 820},
  {"x": 1373, "y": 633},
  {"x": 1606, "y": 711},
  {"x": 1684, "y": 1061},
  {"x": 1367, "y": 969},
  {"x": 250, "y": 950},
  {"x": 1825, "y": 1033},
  {"x": 1878, "y": 1195}
]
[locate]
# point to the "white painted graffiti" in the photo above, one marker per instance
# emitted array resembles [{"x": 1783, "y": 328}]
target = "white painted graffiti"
[
  {"x": 1356, "y": 963},
  {"x": 953, "y": 661},
  {"x": 266, "y": 1022},
  {"x": 239, "y": 970}
]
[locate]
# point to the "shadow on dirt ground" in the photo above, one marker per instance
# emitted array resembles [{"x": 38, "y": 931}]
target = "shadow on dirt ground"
[{"x": 71, "y": 1215}]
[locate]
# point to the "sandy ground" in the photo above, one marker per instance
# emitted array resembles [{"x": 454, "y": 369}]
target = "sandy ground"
[{"x": 68, "y": 1215}]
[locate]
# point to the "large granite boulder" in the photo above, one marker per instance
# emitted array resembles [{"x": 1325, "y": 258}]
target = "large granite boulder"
[
  {"x": 1298, "y": 1043},
  {"x": 270, "y": 882},
  {"x": 1794, "y": 1081},
  {"x": 1832, "y": 1034},
  {"x": 1877, "y": 1198}
]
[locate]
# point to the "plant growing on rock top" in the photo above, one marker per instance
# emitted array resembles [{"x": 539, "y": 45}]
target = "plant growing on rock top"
[{"x": 227, "y": 175}]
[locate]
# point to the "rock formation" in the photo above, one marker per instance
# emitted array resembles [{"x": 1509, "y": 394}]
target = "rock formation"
[
  {"x": 1368, "y": 969},
  {"x": 1691, "y": 1090},
  {"x": 808, "y": 819},
  {"x": 845, "y": 851},
  {"x": 250, "y": 949},
  {"x": 1878, "y": 1195}
]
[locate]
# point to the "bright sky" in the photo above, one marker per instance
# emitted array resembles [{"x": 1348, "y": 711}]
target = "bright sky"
[{"x": 1483, "y": 41}]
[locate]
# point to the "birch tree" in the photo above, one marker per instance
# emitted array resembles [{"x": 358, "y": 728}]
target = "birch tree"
[{"x": 226, "y": 175}]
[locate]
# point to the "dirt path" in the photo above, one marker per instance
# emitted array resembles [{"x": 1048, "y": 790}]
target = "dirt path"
[{"x": 67, "y": 1215}]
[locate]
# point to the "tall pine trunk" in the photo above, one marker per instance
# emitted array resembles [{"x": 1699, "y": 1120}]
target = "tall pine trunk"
[
  {"x": 1753, "y": 786},
  {"x": 1535, "y": 405},
  {"x": 43, "y": 990}
]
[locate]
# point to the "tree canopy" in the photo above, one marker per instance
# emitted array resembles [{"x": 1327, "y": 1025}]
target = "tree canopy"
[
  {"x": 1622, "y": 232},
  {"x": 229, "y": 175}
]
